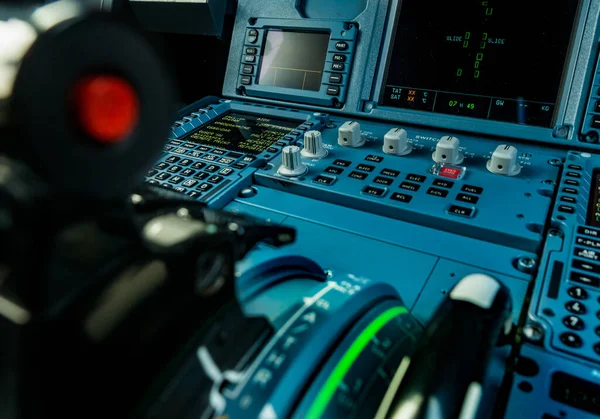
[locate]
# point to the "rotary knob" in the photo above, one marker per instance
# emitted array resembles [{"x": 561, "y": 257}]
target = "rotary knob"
[
  {"x": 313, "y": 145},
  {"x": 396, "y": 142},
  {"x": 349, "y": 135},
  {"x": 290, "y": 162},
  {"x": 504, "y": 161},
  {"x": 448, "y": 151}
]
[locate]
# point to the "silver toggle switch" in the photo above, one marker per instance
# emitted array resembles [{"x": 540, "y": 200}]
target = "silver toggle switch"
[
  {"x": 504, "y": 161},
  {"x": 313, "y": 145},
  {"x": 290, "y": 162},
  {"x": 448, "y": 151},
  {"x": 396, "y": 142},
  {"x": 349, "y": 135}
]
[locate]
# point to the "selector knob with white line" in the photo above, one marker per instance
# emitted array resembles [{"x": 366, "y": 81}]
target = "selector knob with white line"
[
  {"x": 504, "y": 161},
  {"x": 290, "y": 162},
  {"x": 349, "y": 135},
  {"x": 313, "y": 145},
  {"x": 448, "y": 151},
  {"x": 396, "y": 142}
]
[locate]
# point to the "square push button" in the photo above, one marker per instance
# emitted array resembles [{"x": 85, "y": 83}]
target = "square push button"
[
  {"x": 441, "y": 193},
  {"x": 373, "y": 191},
  {"x": 400, "y": 197},
  {"x": 461, "y": 211},
  {"x": 324, "y": 180}
]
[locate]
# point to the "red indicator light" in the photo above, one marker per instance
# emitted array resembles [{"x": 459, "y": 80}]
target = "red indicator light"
[{"x": 450, "y": 172}]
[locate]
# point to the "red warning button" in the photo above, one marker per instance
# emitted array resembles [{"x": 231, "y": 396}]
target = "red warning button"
[
  {"x": 107, "y": 107},
  {"x": 450, "y": 172}
]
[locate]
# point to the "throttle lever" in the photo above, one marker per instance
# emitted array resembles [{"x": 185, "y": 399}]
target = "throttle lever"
[{"x": 445, "y": 377}]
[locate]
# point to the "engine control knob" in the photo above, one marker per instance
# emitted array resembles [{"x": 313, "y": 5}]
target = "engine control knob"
[
  {"x": 396, "y": 142},
  {"x": 290, "y": 162},
  {"x": 448, "y": 151},
  {"x": 349, "y": 135},
  {"x": 504, "y": 161},
  {"x": 313, "y": 145}
]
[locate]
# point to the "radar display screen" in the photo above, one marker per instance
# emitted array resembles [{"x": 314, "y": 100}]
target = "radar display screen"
[
  {"x": 244, "y": 133},
  {"x": 501, "y": 60},
  {"x": 294, "y": 60}
]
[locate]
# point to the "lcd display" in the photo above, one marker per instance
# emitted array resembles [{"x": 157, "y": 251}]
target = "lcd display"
[
  {"x": 498, "y": 59},
  {"x": 593, "y": 217},
  {"x": 244, "y": 133},
  {"x": 576, "y": 392},
  {"x": 294, "y": 60}
]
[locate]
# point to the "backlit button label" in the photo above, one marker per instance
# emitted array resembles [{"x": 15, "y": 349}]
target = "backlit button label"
[
  {"x": 365, "y": 168},
  {"x": 472, "y": 189},
  {"x": 410, "y": 186},
  {"x": 383, "y": 180},
  {"x": 467, "y": 198},
  {"x": 400, "y": 197},
  {"x": 334, "y": 170},
  {"x": 582, "y": 241},
  {"x": 373, "y": 158},
  {"x": 461, "y": 211},
  {"x": 390, "y": 172},
  {"x": 324, "y": 180},
  {"x": 373, "y": 191},
  {"x": 443, "y": 183},
  {"x": 416, "y": 178},
  {"x": 442, "y": 193},
  {"x": 342, "y": 163},
  {"x": 358, "y": 175}
]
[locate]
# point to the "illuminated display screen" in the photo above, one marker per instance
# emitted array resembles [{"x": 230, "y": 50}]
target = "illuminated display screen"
[
  {"x": 594, "y": 205},
  {"x": 294, "y": 60},
  {"x": 498, "y": 59},
  {"x": 244, "y": 133}
]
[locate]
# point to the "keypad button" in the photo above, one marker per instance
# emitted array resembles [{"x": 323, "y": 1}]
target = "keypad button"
[
  {"x": 578, "y": 293},
  {"x": 586, "y": 266},
  {"x": 566, "y": 209},
  {"x": 201, "y": 175},
  {"x": 341, "y": 45},
  {"x": 163, "y": 176},
  {"x": 441, "y": 193},
  {"x": 335, "y": 78},
  {"x": 272, "y": 150},
  {"x": 576, "y": 307},
  {"x": 587, "y": 254},
  {"x": 215, "y": 179},
  {"x": 390, "y": 172},
  {"x": 574, "y": 323},
  {"x": 374, "y": 159},
  {"x": 383, "y": 180},
  {"x": 194, "y": 194},
  {"x": 365, "y": 168},
  {"x": 174, "y": 169},
  {"x": 571, "y": 182},
  {"x": 410, "y": 186},
  {"x": 339, "y": 58},
  {"x": 210, "y": 157},
  {"x": 234, "y": 154},
  {"x": 358, "y": 175},
  {"x": 153, "y": 182},
  {"x": 334, "y": 170},
  {"x": 205, "y": 187},
  {"x": 185, "y": 162},
  {"x": 338, "y": 66},
  {"x": 248, "y": 159},
  {"x": 176, "y": 180},
  {"x": 568, "y": 199},
  {"x": 180, "y": 189},
  {"x": 173, "y": 159},
  {"x": 166, "y": 186},
  {"x": 571, "y": 340},
  {"x": 443, "y": 183},
  {"x": 281, "y": 143},
  {"x": 199, "y": 165},
  {"x": 333, "y": 90},
  {"x": 400, "y": 197},
  {"x": 151, "y": 173},
  {"x": 239, "y": 166},
  {"x": 342, "y": 163},
  {"x": 575, "y": 167},
  {"x": 190, "y": 146},
  {"x": 190, "y": 183},
  {"x": 324, "y": 180},
  {"x": 570, "y": 190},
  {"x": 175, "y": 142},
  {"x": 162, "y": 165},
  {"x": 226, "y": 160},
  {"x": 251, "y": 51},
  {"x": 373, "y": 191},
  {"x": 416, "y": 178},
  {"x": 249, "y": 59},
  {"x": 188, "y": 172},
  {"x": 212, "y": 168},
  {"x": 472, "y": 189},
  {"x": 195, "y": 154},
  {"x": 168, "y": 148},
  {"x": 219, "y": 152},
  {"x": 180, "y": 150},
  {"x": 585, "y": 279},
  {"x": 247, "y": 69},
  {"x": 471, "y": 199},
  {"x": 226, "y": 171},
  {"x": 460, "y": 211},
  {"x": 574, "y": 174},
  {"x": 203, "y": 148}
]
